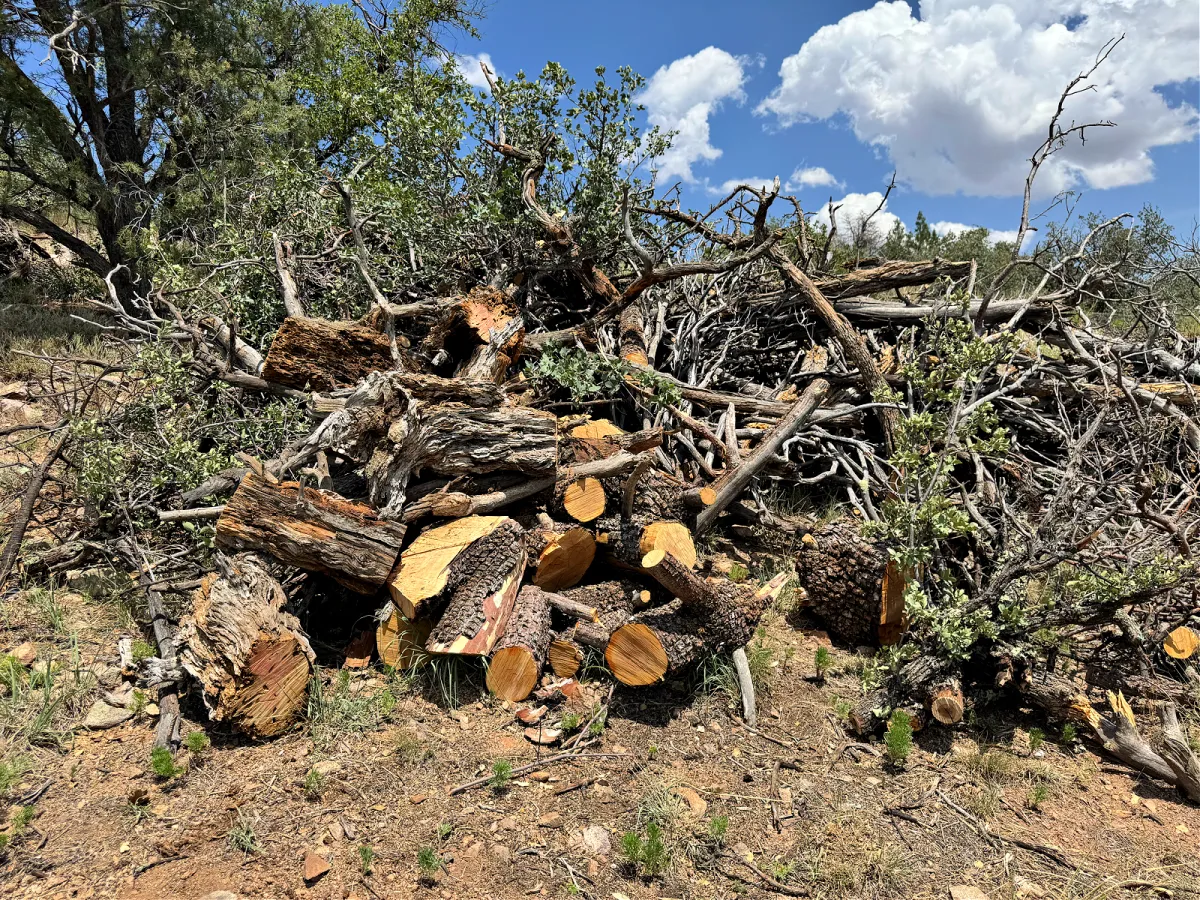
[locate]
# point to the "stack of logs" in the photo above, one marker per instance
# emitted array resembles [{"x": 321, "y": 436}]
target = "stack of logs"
[{"x": 483, "y": 527}]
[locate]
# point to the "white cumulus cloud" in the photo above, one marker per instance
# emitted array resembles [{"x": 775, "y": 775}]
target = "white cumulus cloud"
[
  {"x": 725, "y": 188},
  {"x": 954, "y": 229},
  {"x": 852, "y": 210},
  {"x": 468, "y": 64},
  {"x": 960, "y": 96},
  {"x": 814, "y": 176},
  {"x": 681, "y": 97}
]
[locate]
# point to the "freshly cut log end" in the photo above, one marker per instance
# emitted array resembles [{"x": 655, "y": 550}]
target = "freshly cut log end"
[
  {"x": 595, "y": 429},
  {"x": 314, "y": 353},
  {"x": 565, "y": 657},
  {"x": 428, "y": 562},
  {"x": 849, "y": 585},
  {"x": 250, "y": 658},
  {"x": 584, "y": 500},
  {"x": 669, "y": 537},
  {"x": 515, "y": 666},
  {"x": 636, "y": 656},
  {"x": 311, "y": 529},
  {"x": 1182, "y": 643},
  {"x": 700, "y": 497},
  {"x": 565, "y": 559},
  {"x": 946, "y": 704},
  {"x": 400, "y": 641},
  {"x": 483, "y": 588}
]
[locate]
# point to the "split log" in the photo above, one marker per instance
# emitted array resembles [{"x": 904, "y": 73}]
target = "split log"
[
  {"x": 520, "y": 654},
  {"x": 561, "y": 554},
  {"x": 400, "y": 641},
  {"x": 852, "y": 584},
  {"x": 482, "y": 587},
  {"x": 250, "y": 658},
  {"x": 320, "y": 355},
  {"x": 311, "y": 529},
  {"x": 433, "y": 560}
]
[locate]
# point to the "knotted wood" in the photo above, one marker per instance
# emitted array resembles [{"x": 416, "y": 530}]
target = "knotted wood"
[{"x": 315, "y": 530}]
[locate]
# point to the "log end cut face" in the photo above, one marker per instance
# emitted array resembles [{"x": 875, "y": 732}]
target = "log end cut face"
[
  {"x": 565, "y": 560},
  {"x": 584, "y": 499},
  {"x": 669, "y": 537},
  {"x": 271, "y": 693},
  {"x": 636, "y": 655},
  {"x": 512, "y": 674},
  {"x": 564, "y": 657},
  {"x": 400, "y": 641}
]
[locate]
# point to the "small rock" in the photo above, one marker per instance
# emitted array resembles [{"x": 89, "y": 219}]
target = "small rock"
[
  {"x": 1026, "y": 888},
  {"x": 593, "y": 868},
  {"x": 418, "y": 798},
  {"x": 326, "y": 767},
  {"x": 220, "y": 895},
  {"x": 14, "y": 390},
  {"x": 966, "y": 892},
  {"x": 507, "y": 824},
  {"x": 102, "y": 715},
  {"x": 539, "y": 776},
  {"x": 695, "y": 802},
  {"x": 461, "y": 718},
  {"x": 714, "y": 726},
  {"x": 336, "y": 831},
  {"x": 596, "y": 840},
  {"x": 551, "y": 820},
  {"x": 314, "y": 866},
  {"x": 24, "y": 653},
  {"x": 500, "y": 852}
]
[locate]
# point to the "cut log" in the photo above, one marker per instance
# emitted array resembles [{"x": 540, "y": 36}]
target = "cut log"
[
  {"x": 562, "y": 555},
  {"x": 583, "y": 499},
  {"x": 1182, "y": 643},
  {"x": 946, "y": 702},
  {"x": 520, "y": 654},
  {"x": 400, "y": 641},
  {"x": 670, "y": 537},
  {"x": 663, "y": 640},
  {"x": 923, "y": 683},
  {"x": 320, "y": 355},
  {"x": 595, "y": 429},
  {"x": 315, "y": 530},
  {"x": 427, "y": 564},
  {"x": 599, "y": 439},
  {"x": 250, "y": 658},
  {"x": 565, "y": 655},
  {"x": 482, "y": 586},
  {"x": 852, "y": 584}
]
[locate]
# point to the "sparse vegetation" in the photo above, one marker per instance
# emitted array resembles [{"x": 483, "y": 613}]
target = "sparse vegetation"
[
  {"x": 899, "y": 737},
  {"x": 822, "y": 660},
  {"x": 428, "y": 862},
  {"x": 648, "y": 855},
  {"x": 197, "y": 743},
  {"x": 1038, "y": 794},
  {"x": 502, "y": 771},
  {"x": 242, "y": 835},
  {"x": 1037, "y": 738},
  {"x": 314, "y": 785},
  {"x": 162, "y": 764},
  {"x": 366, "y": 859}
]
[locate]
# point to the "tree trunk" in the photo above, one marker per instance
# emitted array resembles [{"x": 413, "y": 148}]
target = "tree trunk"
[
  {"x": 482, "y": 588},
  {"x": 519, "y": 656},
  {"x": 311, "y": 529},
  {"x": 315, "y": 354},
  {"x": 250, "y": 658}
]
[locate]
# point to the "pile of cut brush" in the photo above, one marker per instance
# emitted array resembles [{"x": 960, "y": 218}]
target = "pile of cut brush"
[{"x": 524, "y": 471}]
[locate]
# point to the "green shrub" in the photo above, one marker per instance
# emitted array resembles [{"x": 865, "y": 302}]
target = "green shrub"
[
  {"x": 898, "y": 739},
  {"x": 501, "y": 775},
  {"x": 162, "y": 763},
  {"x": 314, "y": 785},
  {"x": 196, "y": 742},
  {"x": 366, "y": 859},
  {"x": 428, "y": 862},
  {"x": 648, "y": 855},
  {"x": 1069, "y": 733},
  {"x": 822, "y": 660},
  {"x": 1037, "y": 738},
  {"x": 1038, "y": 794}
]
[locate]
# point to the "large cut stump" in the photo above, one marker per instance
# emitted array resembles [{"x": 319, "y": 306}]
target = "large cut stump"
[
  {"x": 311, "y": 529},
  {"x": 321, "y": 355},
  {"x": 852, "y": 584},
  {"x": 562, "y": 554},
  {"x": 429, "y": 563},
  {"x": 400, "y": 641},
  {"x": 517, "y": 661},
  {"x": 249, "y": 657},
  {"x": 482, "y": 589}
]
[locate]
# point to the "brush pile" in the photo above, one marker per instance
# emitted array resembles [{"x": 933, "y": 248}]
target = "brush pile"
[{"x": 986, "y": 480}]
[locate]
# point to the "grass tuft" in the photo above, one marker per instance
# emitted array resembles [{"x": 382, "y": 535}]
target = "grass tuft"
[{"x": 899, "y": 737}]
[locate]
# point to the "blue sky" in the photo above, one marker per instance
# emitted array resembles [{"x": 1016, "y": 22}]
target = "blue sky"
[{"x": 952, "y": 94}]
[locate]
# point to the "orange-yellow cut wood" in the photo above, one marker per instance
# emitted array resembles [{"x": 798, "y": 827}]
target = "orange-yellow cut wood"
[
  {"x": 584, "y": 499},
  {"x": 893, "y": 621},
  {"x": 401, "y": 642},
  {"x": 1182, "y": 643},
  {"x": 671, "y": 537},
  {"x": 425, "y": 565},
  {"x": 512, "y": 674},
  {"x": 565, "y": 658},
  {"x": 636, "y": 656},
  {"x": 565, "y": 560},
  {"x": 596, "y": 428}
]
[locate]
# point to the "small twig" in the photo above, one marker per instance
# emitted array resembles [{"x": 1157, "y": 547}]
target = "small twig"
[{"x": 534, "y": 766}]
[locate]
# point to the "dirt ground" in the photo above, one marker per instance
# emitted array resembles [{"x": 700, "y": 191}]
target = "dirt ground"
[{"x": 242, "y": 817}]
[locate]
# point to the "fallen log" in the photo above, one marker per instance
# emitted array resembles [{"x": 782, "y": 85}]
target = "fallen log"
[
  {"x": 520, "y": 654},
  {"x": 925, "y": 683},
  {"x": 250, "y": 658},
  {"x": 852, "y": 584},
  {"x": 315, "y": 354},
  {"x": 315, "y": 530},
  {"x": 561, "y": 554},
  {"x": 482, "y": 590}
]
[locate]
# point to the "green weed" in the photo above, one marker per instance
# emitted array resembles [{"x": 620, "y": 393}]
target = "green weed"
[
  {"x": 822, "y": 660},
  {"x": 314, "y": 785},
  {"x": 162, "y": 764},
  {"x": 502, "y": 771},
  {"x": 197, "y": 742},
  {"x": 898, "y": 739},
  {"x": 242, "y": 836},
  {"x": 366, "y": 859},
  {"x": 428, "y": 862}
]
